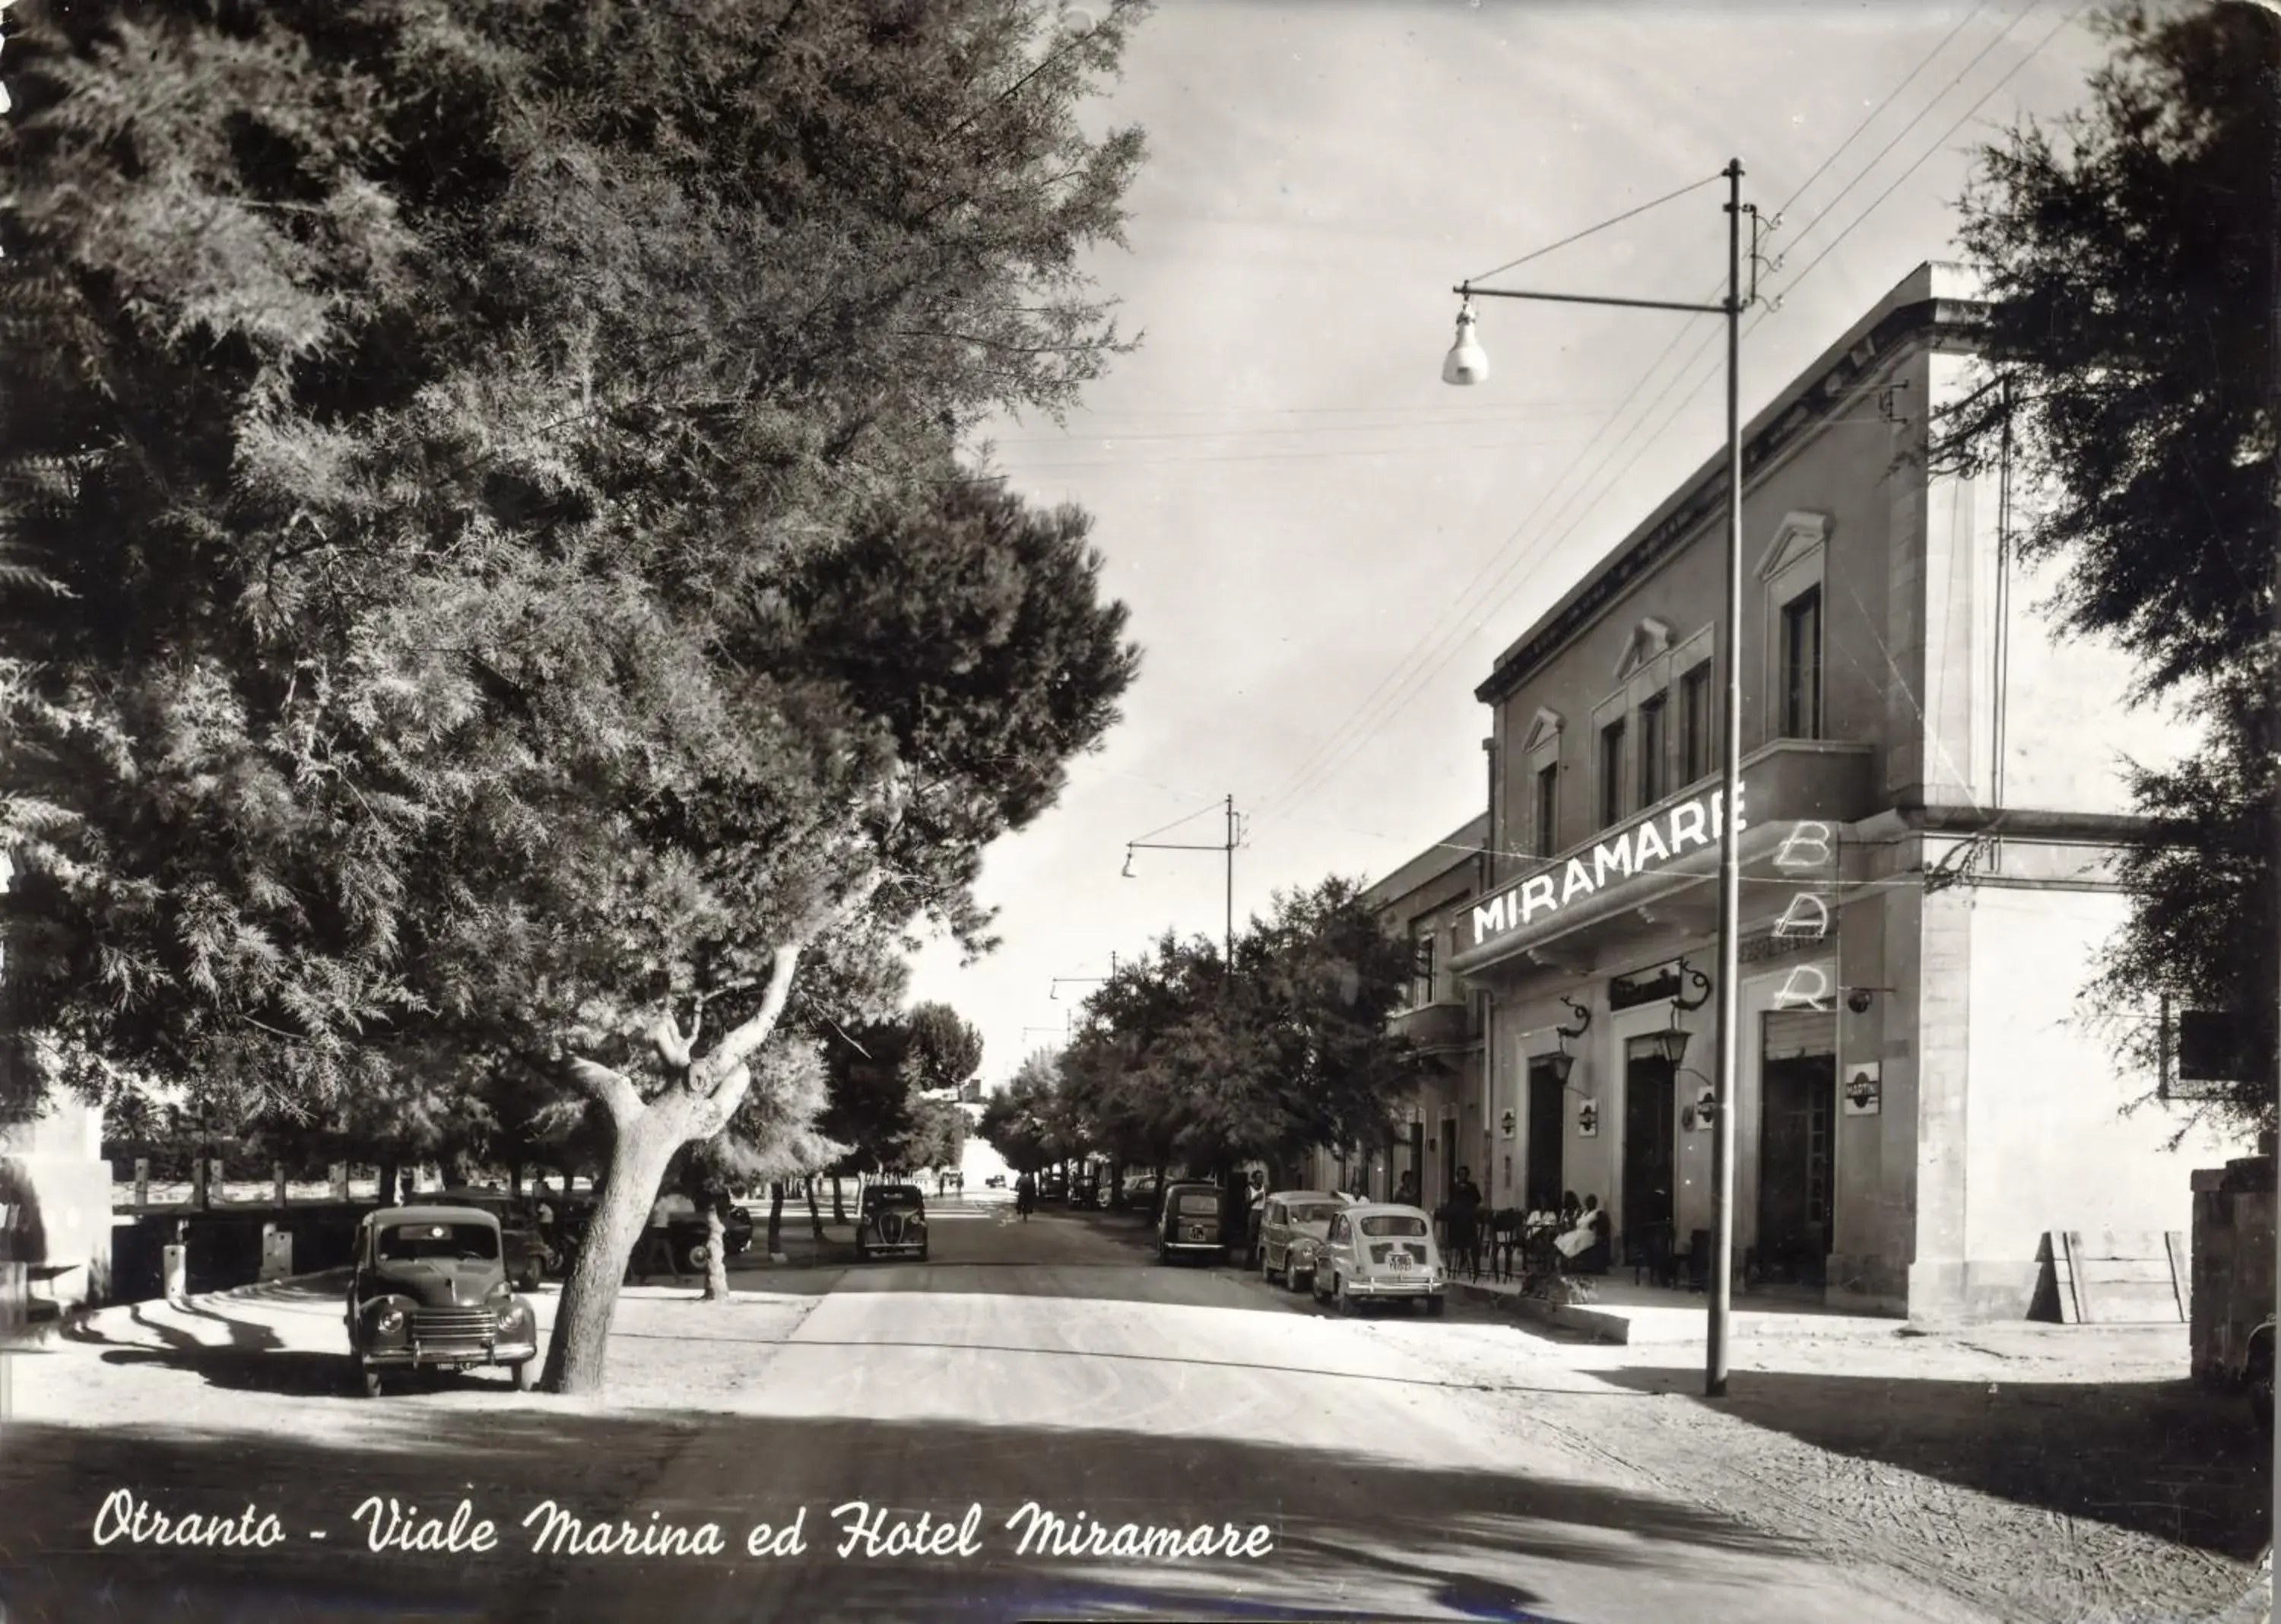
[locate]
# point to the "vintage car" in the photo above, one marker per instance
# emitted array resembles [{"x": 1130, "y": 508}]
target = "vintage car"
[
  {"x": 684, "y": 1229},
  {"x": 528, "y": 1257},
  {"x": 1293, "y": 1226},
  {"x": 1053, "y": 1187},
  {"x": 2257, "y": 1374},
  {"x": 1379, "y": 1252},
  {"x": 1084, "y": 1190},
  {"x": 430, "y": 1291},
  {"x": 1188, "y": 1225},
  {"x": 891, "y": 1222}
]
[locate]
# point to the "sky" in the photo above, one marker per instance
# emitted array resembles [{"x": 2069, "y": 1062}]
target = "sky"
[{"x": 1323, "y": 546}]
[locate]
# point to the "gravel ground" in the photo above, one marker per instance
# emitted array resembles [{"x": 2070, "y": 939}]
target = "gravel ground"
[{"x": 2058, "y": 1474}]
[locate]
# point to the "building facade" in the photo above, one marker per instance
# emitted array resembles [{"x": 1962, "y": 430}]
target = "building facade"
[
  {"x": 1932, "y": 792},
  {"x": 1426, "y": 903}
]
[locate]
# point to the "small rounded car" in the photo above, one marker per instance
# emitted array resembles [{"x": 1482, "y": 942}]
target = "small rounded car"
[
  {"x": 1293, "y": 1226},
  {"x": 430, "y": 1291},
  {"x": 1188, "y": 1223},
  {"x": 891, "y": 1222},
  {"x": 2257, "y": 1375},
  {"x": 1376, "y": 1251}
]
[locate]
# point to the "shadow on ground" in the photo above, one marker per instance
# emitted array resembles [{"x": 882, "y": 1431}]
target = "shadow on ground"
[
  {"x": 1355, "y": 1537},
  {"x": 2159, "y": 1458}
]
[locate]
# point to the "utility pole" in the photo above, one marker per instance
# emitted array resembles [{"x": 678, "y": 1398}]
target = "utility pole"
[{"x": 1226, "y": 847}]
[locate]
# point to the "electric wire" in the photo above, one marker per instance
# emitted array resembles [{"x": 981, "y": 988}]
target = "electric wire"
[
  {"x": 1588, "y": 230},
  {"x": 1314, "y": 772}
]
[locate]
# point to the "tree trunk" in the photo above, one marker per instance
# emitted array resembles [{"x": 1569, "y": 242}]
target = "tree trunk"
[
  {"x": 514, "y": 1180},
  {"x": 814, "y": 1217},
  {"x": 838, "y": 1202},
  {"x": 638, "y": 1158},
  {"x": 776, "y": 1219},
  {"x": 386, "y": 1192},
  {"x": 717, "y": 1254}
]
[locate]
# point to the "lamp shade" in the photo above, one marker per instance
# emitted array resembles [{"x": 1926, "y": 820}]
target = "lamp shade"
[
  {"x": 1560, "y": 1065},
  {"x": 1671, "y": 1043},
  {"x": 1467, "y": 363}
]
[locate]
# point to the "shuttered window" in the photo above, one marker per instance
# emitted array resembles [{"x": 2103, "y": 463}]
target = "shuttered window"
[{"x": 1789, "y": 1034}]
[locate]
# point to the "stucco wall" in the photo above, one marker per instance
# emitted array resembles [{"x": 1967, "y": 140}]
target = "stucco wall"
[
  {"x": 2233, "y": 1263},
  {"x": 2048, "y": 1146},
  {"x": 1846, "y": 475}
]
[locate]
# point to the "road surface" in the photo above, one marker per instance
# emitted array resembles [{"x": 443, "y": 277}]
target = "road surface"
[{"x": 1319, "y": 1467}]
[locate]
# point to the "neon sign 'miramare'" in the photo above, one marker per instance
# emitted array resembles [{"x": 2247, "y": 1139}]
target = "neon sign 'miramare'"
[{"x": 1635, "y": 851}]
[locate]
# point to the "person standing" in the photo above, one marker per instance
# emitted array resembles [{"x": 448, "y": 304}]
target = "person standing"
[
  {"x": 1026, "y": 1195},
  {"x": 1465, "y": 1221},
  {"x": 1406, "y": 1192}
]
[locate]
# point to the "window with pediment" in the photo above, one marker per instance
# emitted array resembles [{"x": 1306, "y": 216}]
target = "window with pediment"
[{"x": 1793, "y": 572}]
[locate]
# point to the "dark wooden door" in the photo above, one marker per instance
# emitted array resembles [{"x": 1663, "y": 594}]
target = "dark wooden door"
[
  {"x": 1798, "y": 1099},
  {"x": 1546, "y": 1119},
  {"x": 1650, "y": 1148}
]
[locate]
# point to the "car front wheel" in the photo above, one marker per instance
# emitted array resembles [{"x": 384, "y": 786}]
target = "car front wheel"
[
  {"x": 1436, "y": 1307},
  {"x": 371, "y": 1381},
  {"x": 526, "y": 1375},
  {"x": 694, "y": 1256}
]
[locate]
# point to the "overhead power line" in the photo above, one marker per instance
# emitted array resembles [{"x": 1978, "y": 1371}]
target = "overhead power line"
[{"x": 1376, "y": 712}]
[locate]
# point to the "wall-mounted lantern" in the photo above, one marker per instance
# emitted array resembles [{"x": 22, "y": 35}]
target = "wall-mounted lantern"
[{"x": 1671, "y": 1042}]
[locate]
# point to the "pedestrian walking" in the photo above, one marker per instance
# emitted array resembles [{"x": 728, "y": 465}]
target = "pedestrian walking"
[
  {"x": 655, "y": 1254},
  {"x": 1026, "y": 1195}
]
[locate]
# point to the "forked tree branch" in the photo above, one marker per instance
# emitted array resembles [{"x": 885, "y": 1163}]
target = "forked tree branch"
[{"x": 614, "y": 1090}]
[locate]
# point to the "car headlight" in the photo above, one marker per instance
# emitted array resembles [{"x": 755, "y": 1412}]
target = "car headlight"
[
  {"x": 516, "y": 1312},
  {"x": 389, "y": 1321}
]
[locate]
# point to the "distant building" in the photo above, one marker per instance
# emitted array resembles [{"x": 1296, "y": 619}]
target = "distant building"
[{"x": 1932, "y": 798}]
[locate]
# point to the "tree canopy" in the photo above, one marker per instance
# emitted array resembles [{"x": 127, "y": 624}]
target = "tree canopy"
[
  {"x": 1184, "y": 1059},
  {"x": 2129, "y": 253},
  {"x": 486, "y": 565}
]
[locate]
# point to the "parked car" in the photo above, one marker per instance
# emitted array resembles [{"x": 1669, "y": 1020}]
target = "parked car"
[
  {"x": 1084, "y": 1191},
  {"x": 528, "y": 1257},
  {"x": 1053, "y": 1187},
  {"x": 1293, "y": 1226},
  {"x": 1142, "y": 1193},
  {"x": 891, "y": 1223},
  {"x": 2257, "y": 1374},
  {"x": 686, "y": 1231},
  {"x": 429, "y": 1291},
  {"x": 691, "y": 1239},
  {"x": 1188, "y": 1225},
  {"x": 1376, "y": 1251}
]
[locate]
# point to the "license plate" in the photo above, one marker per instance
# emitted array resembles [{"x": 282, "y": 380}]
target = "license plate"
[{"x": 1195, "y": 1235}]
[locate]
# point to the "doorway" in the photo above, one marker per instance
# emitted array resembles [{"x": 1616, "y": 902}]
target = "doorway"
[
  {"x": 1798, "y": 1110},
  {"x": 1540, "y": 1187},
  {"x": 1651, "y": 1151}
]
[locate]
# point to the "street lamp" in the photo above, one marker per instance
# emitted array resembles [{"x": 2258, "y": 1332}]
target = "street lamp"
[{"x": 1467, "y": 363}]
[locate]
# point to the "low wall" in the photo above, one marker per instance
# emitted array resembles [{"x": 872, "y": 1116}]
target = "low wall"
[
  {"x": 225, "y": 1246},
  {"x": 2233, "y": 1262}
]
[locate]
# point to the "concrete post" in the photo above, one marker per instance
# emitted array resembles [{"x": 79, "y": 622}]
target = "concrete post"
[
  {"x": 276, "y": 1252},
  {"x": 177, "y": 1262},
  {"x": 142, "y": 1181}
]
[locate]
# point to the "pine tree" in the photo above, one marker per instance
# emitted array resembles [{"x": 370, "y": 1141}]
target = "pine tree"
[
  {"x": 2130, "y": 265},
  {"x": 488, "y": 564}
]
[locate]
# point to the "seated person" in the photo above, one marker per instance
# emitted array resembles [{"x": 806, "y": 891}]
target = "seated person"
[{"x": 1584, "y": 1246}]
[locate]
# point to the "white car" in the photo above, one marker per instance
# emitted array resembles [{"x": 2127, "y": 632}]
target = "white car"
[
  {"x": 1376, "y": 1251},
  {"x": 1293, "y": 1226}
]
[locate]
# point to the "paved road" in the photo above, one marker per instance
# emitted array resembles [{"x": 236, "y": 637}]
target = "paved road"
[{"x": 1052, "y": 1364}]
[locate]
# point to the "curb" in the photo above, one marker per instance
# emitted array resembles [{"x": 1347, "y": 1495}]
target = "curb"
[{"x": 1599, "y": 1324}]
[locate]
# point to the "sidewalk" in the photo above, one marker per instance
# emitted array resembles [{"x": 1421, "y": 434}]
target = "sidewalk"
[{"x": 1627, "y": 1314}]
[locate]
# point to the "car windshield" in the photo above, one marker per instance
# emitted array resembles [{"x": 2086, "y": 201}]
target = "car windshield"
[
  {"x": 1199, "y": 1204},
  {"x": 408, "y": 1243},
  {"x": 901, "y": 1196},
  {"x": 1392, "y": 1223},
  {"x": 1313, "y": 1212}
]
